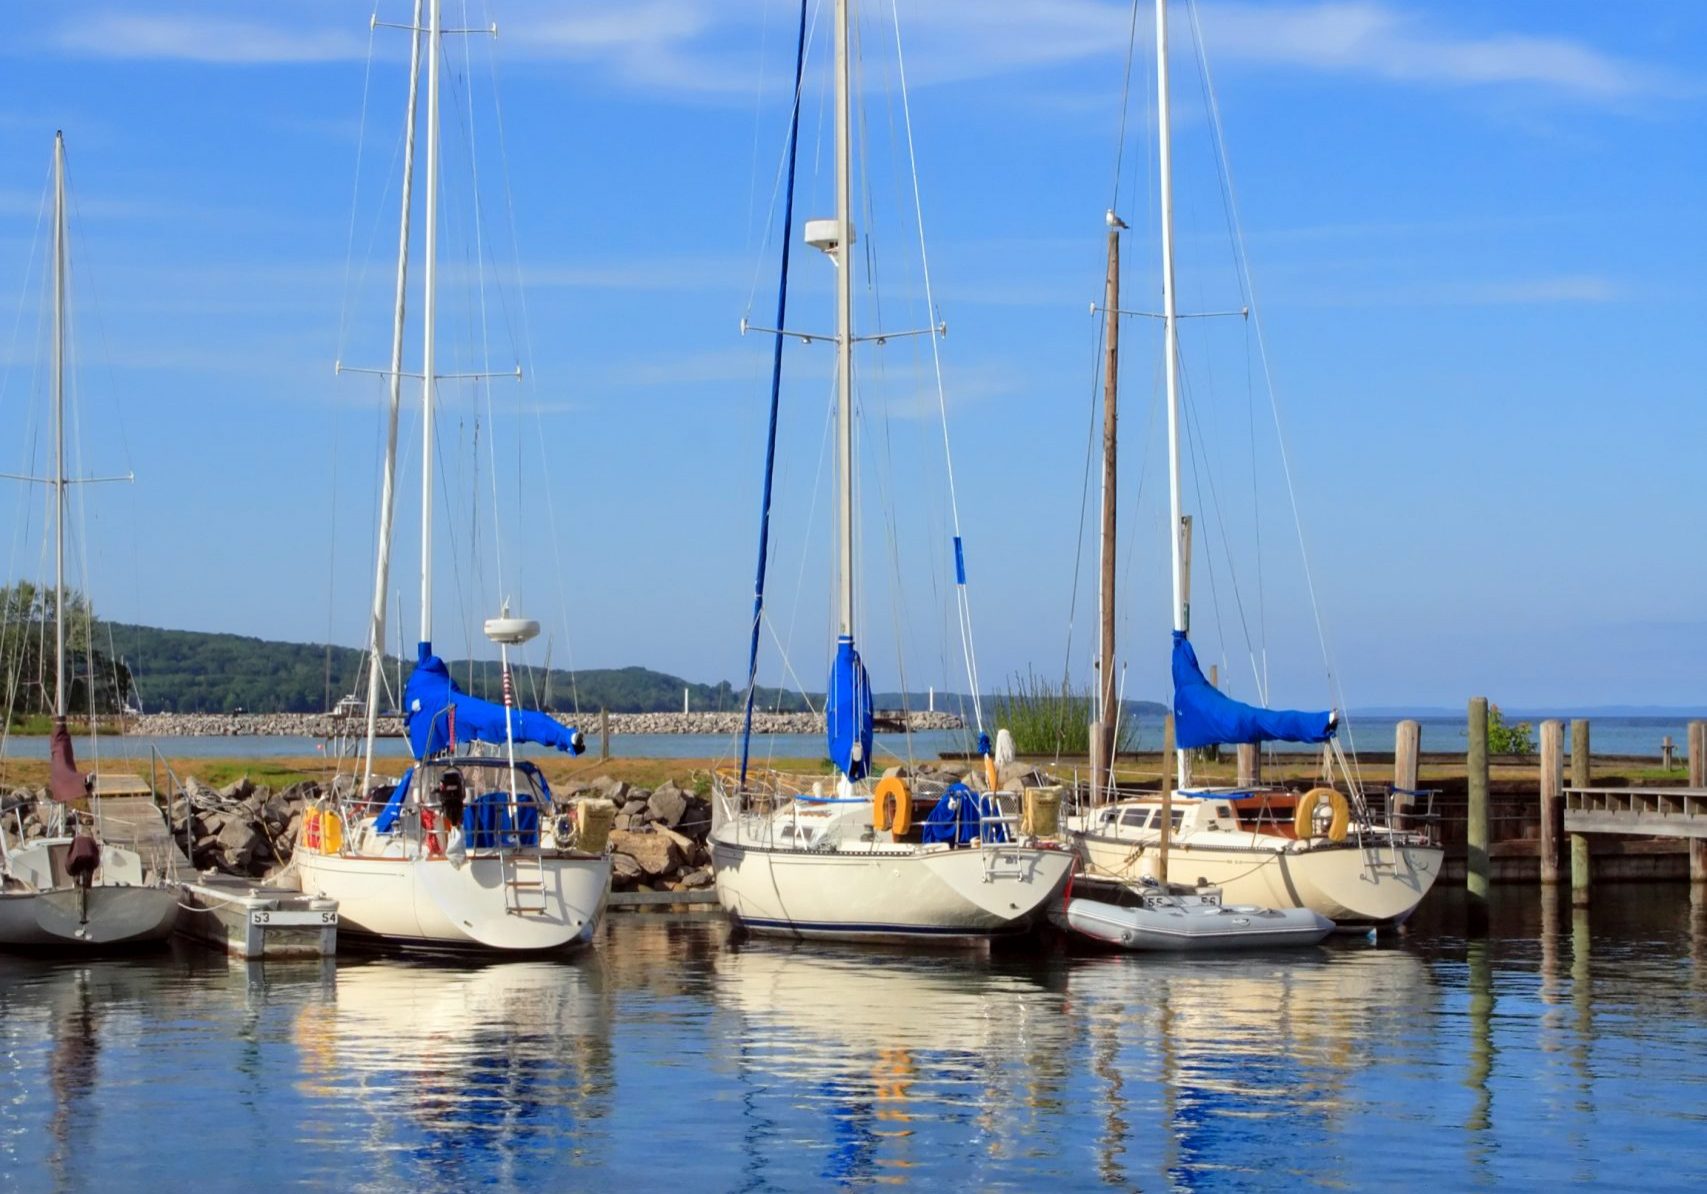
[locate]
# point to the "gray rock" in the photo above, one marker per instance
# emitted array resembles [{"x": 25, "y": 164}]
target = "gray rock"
[
  {"x": 238, "y": 789},
  {"x": 613, "y": 790},
  {"x": 696, "y": 821},
  {"x": 634, "y": 807},
  {"x": 236, "y": 846},
  {"x": 656, "y": 853},
  {"x": 697, "y": 878},
  {"x": 668, "y": 805},
  {"x": 623, "y": 866}
]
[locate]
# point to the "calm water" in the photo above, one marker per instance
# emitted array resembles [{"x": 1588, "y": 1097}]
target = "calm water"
[
  {"x": 1566, "y": 1049},
  {"x": 1611, "y": 735}
]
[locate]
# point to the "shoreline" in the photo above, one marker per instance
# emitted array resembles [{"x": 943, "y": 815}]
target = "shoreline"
[{"x": 332, "y": 726}]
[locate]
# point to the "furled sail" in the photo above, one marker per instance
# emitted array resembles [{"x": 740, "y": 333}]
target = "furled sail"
[
  {"x": 847, "y": 711},
  {"x": 437, "y": 714},
  {"x": 64, "y": 780},
  {"x": 1204, "y": 716}
]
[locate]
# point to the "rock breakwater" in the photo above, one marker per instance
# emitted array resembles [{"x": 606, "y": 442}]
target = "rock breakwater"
[{"x": 326, "y": 725}]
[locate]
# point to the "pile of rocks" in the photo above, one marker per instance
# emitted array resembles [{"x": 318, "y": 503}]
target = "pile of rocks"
[
  {"x": 328, "y": 725},
  {"x": 659, "y": 840},
  {"x": 243, "y": 828}
]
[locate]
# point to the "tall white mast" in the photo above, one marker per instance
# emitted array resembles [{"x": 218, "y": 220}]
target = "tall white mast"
[
  {"x": 387, "y": 497},
  {"x": 429, "y": 312},
  {"x": 844, "y": 318},
  {"x": 59, "y": 424},
  {"x": 1170, "y": 349}
]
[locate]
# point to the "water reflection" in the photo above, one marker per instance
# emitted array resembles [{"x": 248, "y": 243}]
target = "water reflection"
[
  {"x": 1542, "y": 1055},
  {"x": 461, "y": 1072},
  {"x": 879, "y": 1049},
  {"x": 1233, "y": 1050}
]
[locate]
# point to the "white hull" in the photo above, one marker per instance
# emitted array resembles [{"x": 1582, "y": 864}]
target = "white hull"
[
  {"x": 1185, "y": 925},
  {"x": 100, "y": 917},
  {"x": 431, "y": 903},
  {"x": 1348, "y": 884},
  {"x": 892, "y": 894}
]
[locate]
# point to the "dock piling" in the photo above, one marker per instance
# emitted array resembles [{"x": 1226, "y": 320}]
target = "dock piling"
[
  {"x": 1580, "y": 778},
  {"x": 1170, "y": 756},
  {"x": 1552, "y": 799},
  {"x": 1476, "y": 877},
  {"x": 1250, "y": 765},
  {"x": 604, "y": 735},
  {"x": 1407, "y": 740},
  {"x": 1697, "y": 749}
]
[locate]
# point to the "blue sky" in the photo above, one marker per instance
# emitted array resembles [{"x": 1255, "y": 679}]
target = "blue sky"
[{"x": 1476, "y": 233}]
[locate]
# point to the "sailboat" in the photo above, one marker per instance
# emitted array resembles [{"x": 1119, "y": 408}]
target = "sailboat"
[
  {"x": 69, "y": 889},
  {"x": 1332, "y": 855},
  {"x": 854, "y": 862},
  {"x": 469, "y": 850}
]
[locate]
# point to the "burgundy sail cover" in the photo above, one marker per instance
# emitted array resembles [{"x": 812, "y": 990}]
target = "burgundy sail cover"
[{"x": 65, "y": 782}]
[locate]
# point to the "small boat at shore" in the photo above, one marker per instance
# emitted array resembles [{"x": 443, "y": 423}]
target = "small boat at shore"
[
  {"x": 1147, "y": 916},
  {"x": 69, "y": 889}
]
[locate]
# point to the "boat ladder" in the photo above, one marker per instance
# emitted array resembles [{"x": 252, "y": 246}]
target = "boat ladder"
[{"x": 524, "y": 883}]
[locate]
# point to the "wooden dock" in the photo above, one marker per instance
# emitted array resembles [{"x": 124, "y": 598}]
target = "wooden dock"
[{"x": 1647, "y": 812}]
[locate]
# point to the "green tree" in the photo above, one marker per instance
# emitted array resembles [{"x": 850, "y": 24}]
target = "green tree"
[
  {"x": 96, "y": 682},
  {"x": 1506, "y": 739}
]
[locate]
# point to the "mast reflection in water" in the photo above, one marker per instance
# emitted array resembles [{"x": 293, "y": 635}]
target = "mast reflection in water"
[{"x": 1562, "y": 1049}]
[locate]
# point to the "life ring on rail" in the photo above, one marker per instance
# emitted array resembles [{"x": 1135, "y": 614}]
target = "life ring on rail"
[
  {"x": 429, "y": 834},
  {"x": 1304, "y": 819},
  {"x": 893, "y": 788}
]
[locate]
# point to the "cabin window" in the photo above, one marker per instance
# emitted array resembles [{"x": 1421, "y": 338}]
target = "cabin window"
[
  {"x": 1135, "y": 818},
  {"x": 1224, "y": 810},
  {"x": 1178, "y": 815}
]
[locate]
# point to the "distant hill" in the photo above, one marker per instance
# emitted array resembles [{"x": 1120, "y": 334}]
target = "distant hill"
[{"x": 188, "y": 671}]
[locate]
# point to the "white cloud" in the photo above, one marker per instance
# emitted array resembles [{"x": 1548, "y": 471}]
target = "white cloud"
[{"x": 685, "y": 47}]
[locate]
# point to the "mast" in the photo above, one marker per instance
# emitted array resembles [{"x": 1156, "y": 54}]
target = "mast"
[
  {"x": 1103, "y": 733},
  {"x": 387, "y": 498},
  {"x": 59, "y": 481},
  {"x": 429, "y": 312},
  {"x": 1170, "y": 350},
  {"x": 844, "y": 322}
]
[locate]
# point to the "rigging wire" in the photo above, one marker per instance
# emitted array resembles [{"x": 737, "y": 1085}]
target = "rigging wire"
[
  {"x": 1247, "y": 284},
  {"x": 963, "y": 599}
]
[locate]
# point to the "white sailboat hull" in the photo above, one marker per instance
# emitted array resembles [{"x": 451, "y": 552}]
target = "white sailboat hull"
[
  {"x": 102, "y": 916},
  {"x": 897, "y": 894},
  {"x": 431, "y": 903},
  {"x": 1351, "y": 885}
]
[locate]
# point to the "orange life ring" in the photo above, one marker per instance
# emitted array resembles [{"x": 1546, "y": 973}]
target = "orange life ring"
[
  {"x": 1304, "y": 817},
  {"x": 892, "y": 789},
  {"x": 429, "y": 834}
]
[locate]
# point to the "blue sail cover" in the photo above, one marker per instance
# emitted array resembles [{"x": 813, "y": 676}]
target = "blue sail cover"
[
  {"x": 1204, "y": 716},
  {"x": 847, "y": 711},
  {"x": 432, "y": 704}
]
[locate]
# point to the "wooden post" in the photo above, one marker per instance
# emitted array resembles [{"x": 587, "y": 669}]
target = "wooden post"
[
  {"x": 1476, "y": 827},
  {"x": 1668, "y": 753},
  {"x": 1581, "y": 777},
  {"x": 1552, "y": 800},
  {"x": 1697, "y": 744},
  {"x": 604, "y": 735},
  {"x": 1407, "y": 741},
  {"x": 1170, "y": 781},
  {"x": 1250, "y": 765}
]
